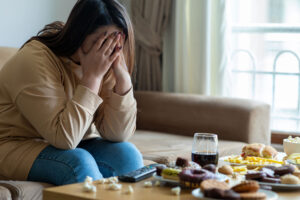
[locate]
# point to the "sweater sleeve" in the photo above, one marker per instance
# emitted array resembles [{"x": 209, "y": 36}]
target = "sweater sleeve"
[
  {"x": 116, "y": 117},
  {"x": 61, "y": 122}
]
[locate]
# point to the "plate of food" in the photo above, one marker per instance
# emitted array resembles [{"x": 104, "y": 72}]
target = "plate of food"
[
  {"x": 256, "y": 155},
  {"x": 213, "y": 189},
  {"x": 285, "y": 177},
  {"x": 187, "y": 173},
  {"x": 269, "y": 194}
]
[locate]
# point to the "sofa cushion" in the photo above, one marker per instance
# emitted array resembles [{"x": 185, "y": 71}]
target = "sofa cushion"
[
  {"x": 4, "y": 193},
  {"x": 25, "y": 190},
  {"x": 163, "y": 147}
]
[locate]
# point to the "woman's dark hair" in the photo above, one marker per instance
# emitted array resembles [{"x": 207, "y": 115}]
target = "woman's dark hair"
[{"x": 84, "y": 19}]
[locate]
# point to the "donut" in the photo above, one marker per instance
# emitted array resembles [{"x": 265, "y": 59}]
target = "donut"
[
  {"x": 192, "y": 178},
  {"x": 253, "y": 175},
  {"x": 270, "y": 180},
  {"x": 221, "y": 194},
  {"x": 210, "y": 167},
  {"x": 182, "y": 162},
  {"x": 283, "y": 170}
]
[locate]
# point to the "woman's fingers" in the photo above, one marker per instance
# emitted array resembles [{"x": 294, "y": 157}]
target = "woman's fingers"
[
  {"x": 115, "y": 54},
  {"x": 100, "y": 41},
  {"x": 110, "y": 40},
  {"x": 113, "y": 45}
]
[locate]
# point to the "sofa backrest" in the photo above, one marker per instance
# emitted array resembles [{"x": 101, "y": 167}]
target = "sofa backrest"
[{"x": 5, "y": 54}]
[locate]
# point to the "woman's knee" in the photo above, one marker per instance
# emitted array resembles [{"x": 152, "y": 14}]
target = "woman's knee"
[
  {"x": 62, "y": 167},
  {"x": 130, "y": 157},
  {"x": 83, "y": 164}
]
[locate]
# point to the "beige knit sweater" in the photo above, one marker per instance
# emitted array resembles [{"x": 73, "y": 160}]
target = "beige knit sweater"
[{"x": 42, "y": 103}]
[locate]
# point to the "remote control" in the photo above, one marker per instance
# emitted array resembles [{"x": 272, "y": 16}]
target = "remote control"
[{"x": 139, "y": 174}]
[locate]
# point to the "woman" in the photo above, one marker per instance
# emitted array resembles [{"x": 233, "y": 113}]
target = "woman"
[{"x": 61, "y": 90}]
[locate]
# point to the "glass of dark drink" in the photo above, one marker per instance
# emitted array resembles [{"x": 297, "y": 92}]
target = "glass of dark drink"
[{"x": 205, "y": 149}]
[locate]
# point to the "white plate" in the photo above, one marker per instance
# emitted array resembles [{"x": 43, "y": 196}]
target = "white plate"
[
  {"x": 199, "y": 195},
  {"x": 279, "y": 186},
  {"x": 220, "y": 177},
  {"x": 279, "y": 157}
]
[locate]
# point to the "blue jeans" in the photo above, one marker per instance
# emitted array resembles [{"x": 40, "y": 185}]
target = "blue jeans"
[{"x": 96, "y": 158}]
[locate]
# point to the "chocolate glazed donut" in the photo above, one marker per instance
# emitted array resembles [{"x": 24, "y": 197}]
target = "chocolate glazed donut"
[{"x": 196, "y": 175}]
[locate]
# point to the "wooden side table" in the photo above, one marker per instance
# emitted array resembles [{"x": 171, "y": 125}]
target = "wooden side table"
[{"x": 74, "y": 192}]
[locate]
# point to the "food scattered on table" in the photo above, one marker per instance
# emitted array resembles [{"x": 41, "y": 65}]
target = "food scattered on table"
[
  {"x": 147, "y": 184},
  {"x": 157, "y": 183},
  {"x": 226, "y": 169},
  {"x": 102, "y": 181},
  {"x": 129, "y": 190},
  {"x": 88, "y": 185},
  {"x": 113, "y": 179},
  {"x": 114, "y": 186},
  {"x": 176, "y": 190}
]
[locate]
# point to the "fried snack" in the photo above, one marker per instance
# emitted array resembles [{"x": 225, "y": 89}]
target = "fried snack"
[
  {"x": 253, "y": 196},
  {"x": 254, "y": 149},
  {"x": 253, "y": 161},
  {"x": 246, "y": 186},
  {"x": 269, "y": 152},
  {"x": 289, "y": 179},
  {"x": 226, "y": 169},
  {"x": 211, "y": 183},
  {"x": 170, "y": 173}
]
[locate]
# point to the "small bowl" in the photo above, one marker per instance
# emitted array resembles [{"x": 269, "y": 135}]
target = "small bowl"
[{"x": 291, "y": 147}]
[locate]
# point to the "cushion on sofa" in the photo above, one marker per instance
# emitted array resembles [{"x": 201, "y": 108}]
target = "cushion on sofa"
[
  {"x": 24, "y": 190},
  {"x": 4, "y": 193},
  {"x": 163, "y": 147}
]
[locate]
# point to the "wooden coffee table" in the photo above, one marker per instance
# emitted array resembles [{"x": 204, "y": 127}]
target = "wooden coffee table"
[{"x": 74, "y": 192}]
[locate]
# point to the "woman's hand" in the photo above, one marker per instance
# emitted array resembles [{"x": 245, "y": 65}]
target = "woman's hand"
[
  {"x": 120, "y": 69},
  {"x": 98, "y": 60}
]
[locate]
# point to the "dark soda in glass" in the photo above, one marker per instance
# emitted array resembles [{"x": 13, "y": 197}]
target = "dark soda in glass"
[{"x": 204, "y": 158}]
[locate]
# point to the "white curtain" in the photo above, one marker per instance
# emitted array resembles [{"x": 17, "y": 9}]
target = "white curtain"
[{"x": 195, "y": 54}]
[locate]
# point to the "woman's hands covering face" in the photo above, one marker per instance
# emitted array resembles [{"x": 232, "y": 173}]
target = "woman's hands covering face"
[{"x": 98, "y": 60}]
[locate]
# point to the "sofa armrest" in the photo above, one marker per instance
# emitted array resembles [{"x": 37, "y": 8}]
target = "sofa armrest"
[{"x": 185, "y": 114}]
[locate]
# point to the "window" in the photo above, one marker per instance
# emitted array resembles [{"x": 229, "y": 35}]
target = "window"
[{"x": 265, "y": 57}]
